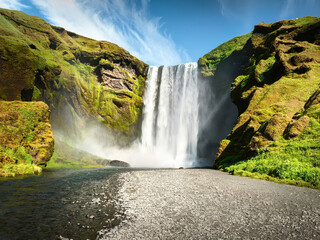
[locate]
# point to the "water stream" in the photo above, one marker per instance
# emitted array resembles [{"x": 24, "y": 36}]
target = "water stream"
[{"x": 70, "y": 203}]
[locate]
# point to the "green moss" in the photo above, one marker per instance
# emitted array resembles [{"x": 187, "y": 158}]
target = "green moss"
[
  {"x": 139, "y": 86},
  {"x": 305, "y": 21},
  {"x": 25, "y": 133},
  {"x": 36, "y": 94},
  {"x": 257, "y": 175},
  {"x": 106, "y": 62},
  {"x": 263, "y": 67},
  {"x": 17, "y": 155},
  {"x": 66, "y": 156},
  {"x": 53, "y": 164},
  {"x": 13, "y": 170},
  {"x": 242, "y": 80},
  {"x": 211, "y": 60}
]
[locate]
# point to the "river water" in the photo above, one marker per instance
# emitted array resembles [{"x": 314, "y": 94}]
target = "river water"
[{"x": 73, "y": 203}]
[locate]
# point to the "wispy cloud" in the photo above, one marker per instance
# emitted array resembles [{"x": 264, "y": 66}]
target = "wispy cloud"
[
  {"x": 124, "y": 22},
  {"x": 292, "y": 7},
  {"x": 241, "y": 11},
  {"x": 12, "y": 4},
  {"x": 232, "y": 8}
]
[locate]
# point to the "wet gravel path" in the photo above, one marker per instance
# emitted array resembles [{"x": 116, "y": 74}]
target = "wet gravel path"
[{"x": 208, "y": 204}]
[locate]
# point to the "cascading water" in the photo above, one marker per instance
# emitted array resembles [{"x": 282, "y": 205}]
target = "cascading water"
[
  {"x": 184, "y": 119},
  {"x": 170, "y": 117}
]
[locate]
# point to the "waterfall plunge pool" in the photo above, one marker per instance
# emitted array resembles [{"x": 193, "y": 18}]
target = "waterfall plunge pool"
[{"x": 72, "y": 203}]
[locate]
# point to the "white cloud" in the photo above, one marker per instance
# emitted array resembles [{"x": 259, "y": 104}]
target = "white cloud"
[
  {"x": 124, "y": 22},
  {"x": 12, "y": 4}
]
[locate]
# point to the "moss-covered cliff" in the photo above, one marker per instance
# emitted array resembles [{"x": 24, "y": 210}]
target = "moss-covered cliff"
[
  {"x": 79, "y": 78},
  {"x": 26, "y": 139},
  {"x": 277, "y": 95}
]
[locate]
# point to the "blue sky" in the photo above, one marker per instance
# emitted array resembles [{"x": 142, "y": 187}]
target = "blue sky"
[{"x": 164, "y": 31}]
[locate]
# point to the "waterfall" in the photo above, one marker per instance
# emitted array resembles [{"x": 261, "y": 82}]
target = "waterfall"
[
  {"x": 170, "y": 116},
  {"x": 184, "y": 119}
]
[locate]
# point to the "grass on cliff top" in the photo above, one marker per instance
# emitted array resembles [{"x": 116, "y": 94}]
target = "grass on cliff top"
[
  {"x": 211, "y": 60},
  {"x": 306, "y": 20},
  {"x": 295, "y": 161}
]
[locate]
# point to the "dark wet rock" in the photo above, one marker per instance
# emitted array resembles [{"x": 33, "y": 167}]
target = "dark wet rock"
[{"x": 118, "y": 163}]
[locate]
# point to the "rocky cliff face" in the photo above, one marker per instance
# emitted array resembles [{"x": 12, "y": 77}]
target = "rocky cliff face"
[
  {"x": 276, "y": 90},
  {"x": 79, "y": 78},
  {"x": 25, "y": 136}
]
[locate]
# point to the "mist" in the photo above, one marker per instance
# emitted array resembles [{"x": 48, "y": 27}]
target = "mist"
[{"x": 184, "y": 118}]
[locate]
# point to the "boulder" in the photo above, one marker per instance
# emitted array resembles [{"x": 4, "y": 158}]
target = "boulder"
[{"x": 118, "y": 163}]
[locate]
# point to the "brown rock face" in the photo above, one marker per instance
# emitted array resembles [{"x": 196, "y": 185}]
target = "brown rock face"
[
  {"x": 25, "y": 132},
  {"x": 276, "y": 126},
  {"x": 116, "y": 78},
  {"x": 296, "y": 127},
  {"x": 313, "y": 100}
]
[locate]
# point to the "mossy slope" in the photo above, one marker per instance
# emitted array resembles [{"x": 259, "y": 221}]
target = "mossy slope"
[
  {"x": 211, "y": 60},
  {"x": 26, "y": 139},
  {"x": 79, "y": 78},
  {"x": 66, "y": 156},
  {"x": 277, "y": 96}
]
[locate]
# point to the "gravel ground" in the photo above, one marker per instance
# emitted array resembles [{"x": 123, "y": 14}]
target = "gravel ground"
[{"x": 208, "y": 204}]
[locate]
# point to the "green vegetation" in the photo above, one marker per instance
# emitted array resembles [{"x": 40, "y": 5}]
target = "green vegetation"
[
  {"x": 295, "y": 161},
  {"x": 13, "y": 170},
  {"x": 66, "y": 156},
  {"x": 54, "y": 164},
  {"x": 211, "y": 60},
  {"x": 277, "y": 134},
  {"x": 17, "y": 155}
]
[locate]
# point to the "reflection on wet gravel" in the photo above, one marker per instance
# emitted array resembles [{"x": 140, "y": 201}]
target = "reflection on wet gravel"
[{"x": 69, "y": 203}]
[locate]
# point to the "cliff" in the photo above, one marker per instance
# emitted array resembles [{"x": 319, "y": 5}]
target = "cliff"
[
  {"x": 80, "y": 79},
  {"x": 26, "y": 139},
  {"x": 276, "y": 91},
  {"x": 83, "y": 81}
]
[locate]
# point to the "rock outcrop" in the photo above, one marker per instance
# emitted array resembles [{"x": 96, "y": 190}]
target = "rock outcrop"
[
  {"x": 25, "y": 133},
  {"x": 80, "y": 79}
]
